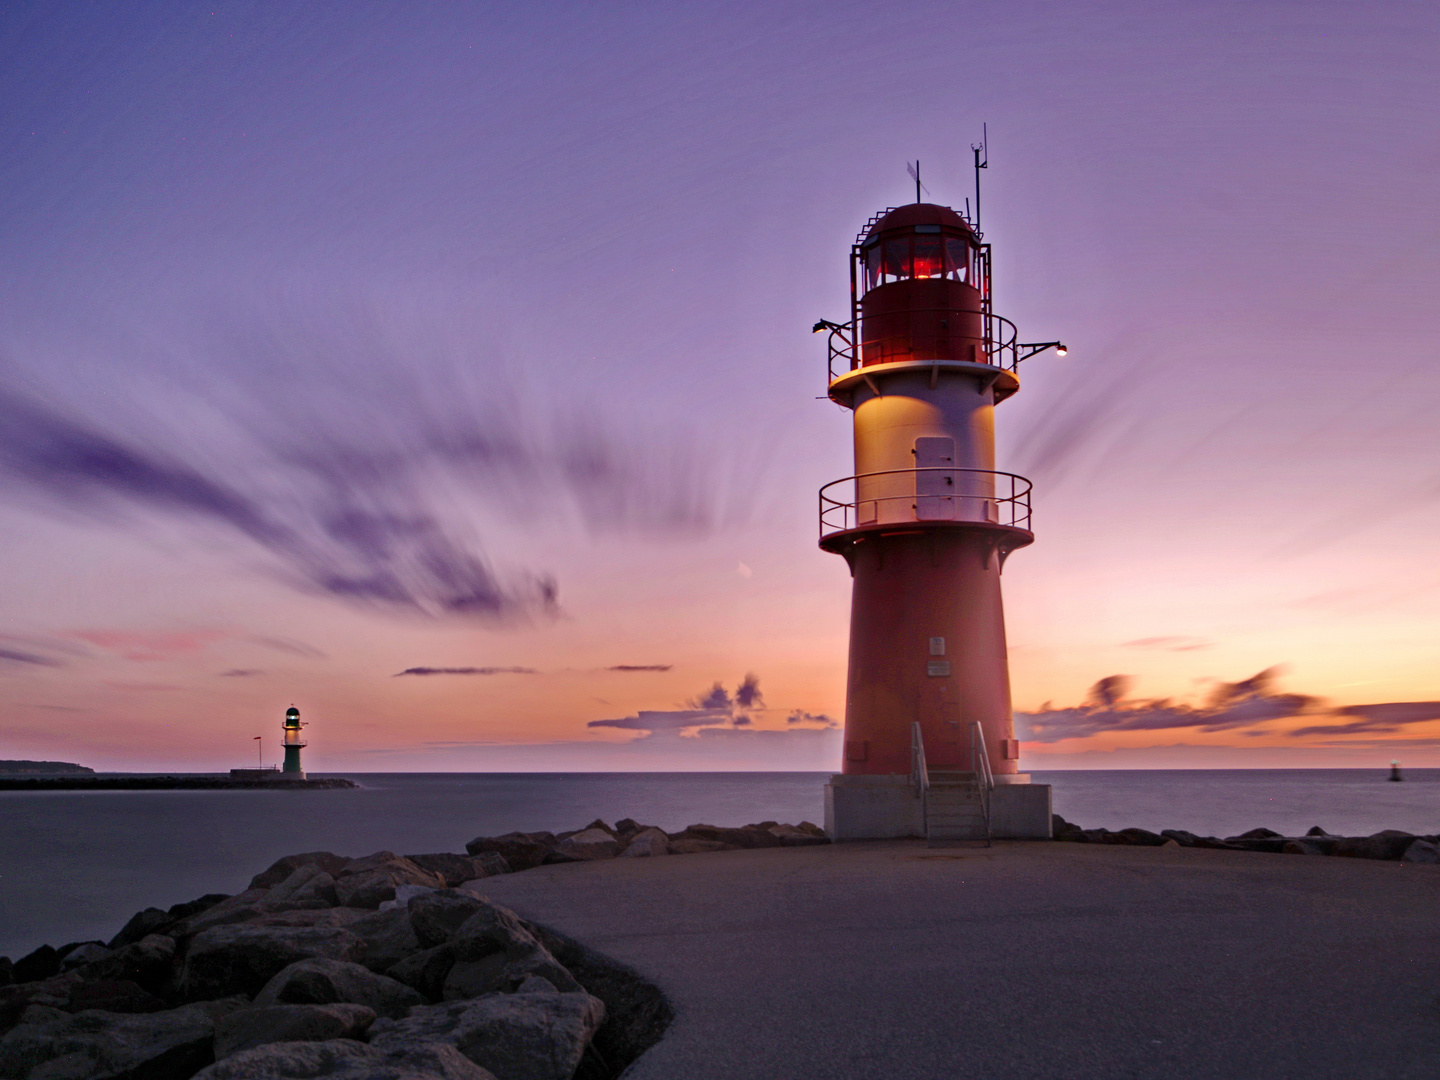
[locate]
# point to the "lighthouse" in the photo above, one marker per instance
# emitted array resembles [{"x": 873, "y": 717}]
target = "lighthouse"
[
  {"x": 926, "y": 524},
  {"x": 294, "y": 743}
]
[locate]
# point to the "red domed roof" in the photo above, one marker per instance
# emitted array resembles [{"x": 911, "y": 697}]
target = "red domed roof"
[{"x": 912, "y": 214}]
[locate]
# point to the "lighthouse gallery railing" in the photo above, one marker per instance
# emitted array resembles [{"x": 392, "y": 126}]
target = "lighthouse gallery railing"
[
  {"x": 904, "y": 496},
  {"x": 1000, "y": 340}
]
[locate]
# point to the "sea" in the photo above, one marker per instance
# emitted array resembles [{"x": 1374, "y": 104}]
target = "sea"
[{"x": 75, "y": 865}]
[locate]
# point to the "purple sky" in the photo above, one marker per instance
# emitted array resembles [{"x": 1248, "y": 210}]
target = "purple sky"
[{"x": 340, "y": 340}]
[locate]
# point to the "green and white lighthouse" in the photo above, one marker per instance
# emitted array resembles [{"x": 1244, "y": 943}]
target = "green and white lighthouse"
[{"x": 294, "y": 742}]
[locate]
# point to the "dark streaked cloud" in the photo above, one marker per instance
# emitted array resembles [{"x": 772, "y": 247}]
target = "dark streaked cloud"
[
  {"x": 748, "y": 695},
  {"x": 799, "y": 716},
  {"x": 1377, "y": 719},
  {"x": 1230, "y": 706},
  {"x": 1173, "y": 643},
  {"x": 294, "y": 648},
  {"x": 15, "y": 656},
  {"x": 466, "y": 671},
  {"x": 639, "y": 667},
  {"x": 241, "y": 673}
]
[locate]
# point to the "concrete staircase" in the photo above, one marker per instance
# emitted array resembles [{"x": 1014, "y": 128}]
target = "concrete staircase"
[{"x": 954, "y": 808}]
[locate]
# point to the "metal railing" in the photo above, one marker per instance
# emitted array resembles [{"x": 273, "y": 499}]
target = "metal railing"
[
  {"x": 903, "y": 496},
  {"x": 984, "y": 776},
  {"x": 998, "y": 336},
  {"x": 919, "y": 774}
]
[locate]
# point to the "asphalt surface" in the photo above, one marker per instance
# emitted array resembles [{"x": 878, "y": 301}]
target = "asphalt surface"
[{"x": 1026, "y": 960}]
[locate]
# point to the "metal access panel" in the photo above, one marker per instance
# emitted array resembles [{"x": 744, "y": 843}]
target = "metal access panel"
[{"x": 935, "y": 495}]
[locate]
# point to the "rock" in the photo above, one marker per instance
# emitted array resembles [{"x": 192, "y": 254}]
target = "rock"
[
  {"x": 590, "y": 844},
  {"x": 425, "y": 971},
  {"x": 345, "y": 1060},
  {"x": 454, "y": 870},
  {"x": 647, "y": 843},
  {"x": 282, "y": 868},
  {"x": 1140, "y": 837},
  {"x": 87, "y": 953},
  {"x": 7, "y": 971},
  {"x": 167, "y": 1045},
  {"x": 370, "y": 881},
  {"x": 113, "y": 995},
  {"x": 1389, "y": 844},
  {"x": 53, "y": 993},
  {"x": 813, "y": 829},
  {"x": 493, "y": 952},
  {"x": 1303, "y": 846},
  {"x": 404, "y": 894},
  {"x": 438, "y": 914},
  {"x": 626, "y": 829},
  {"x": 521, "y": 851},
  {"x": 1316, "y": 830},
  {"x": 199, "y": 904},
  {"x": 1181, "y": 837},
  {"x": 43, "y": 963},
  {"x": 1254, "y": 834},
  {"x": 740, "y": 838},
  {"x": 233, "y": 909},
  {"x": 308, "y": 887},
  {"x": 1422, "y": 851},
  {"x": 388, "y": 936},
  {"x": 695, "y": 847},
  {"x": 248, "y": 1028},
  {"x": 1272, "y": 845},
  {"x": 147, "y": 963},
  {"x": 1171, "y": 844},
  {"x": 242, "y": 959},
  {"x": 794, "y": 836},
  {"x": 537, "y": 1035},
  {"x": 142, "y": 924},
  {"x": 324, "y": 982},
  {"x": 335, "y": 916}
]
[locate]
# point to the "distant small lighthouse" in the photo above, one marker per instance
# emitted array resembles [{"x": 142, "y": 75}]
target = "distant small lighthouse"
[{"x": 294, "y": 743}]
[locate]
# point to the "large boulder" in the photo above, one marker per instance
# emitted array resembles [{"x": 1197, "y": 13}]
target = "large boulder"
[
  {"x": 113, "y": 995},
  {"x": 425, "y": 971},
  {"x": 142, "y": 924},
  {"x": 282, "y": 868},
  {"x": 233, "y": 909},
  {"x": 538, "y": 1034},
  {"x": 1389, "y": 844},
  {"x": 493, "y": 951},
  {"x": 324, "y": 982},
  {"x": 588, "y": 845},
  {"x": 43, "y": 963},
  {"x": 343, "y": 1059},
  {"x": 167, "y": 1045},
  {"x": 739, "y": 838},
  {"x": 456, "y": 869},
  {"x": 388, "y": 937},
  {"x": 521, "y": 851},
  {"x": 369, "y": 882},
  {"x": 308, "y": 886},
  {"x": 1422, "y": 851},
  {"x": 242, "y": 959},
  {"x": 88, "y": 952},
  {"x": 248, "y": 1028},
  {"x": 146, "y": 963},
  {"x": 435, "y": 916},
  {"x": 794, "y": 836},
  {"x": 646, "y": 844}
]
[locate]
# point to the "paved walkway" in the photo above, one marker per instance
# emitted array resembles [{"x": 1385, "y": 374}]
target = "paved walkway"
[{"x": 1026, "y": 960}]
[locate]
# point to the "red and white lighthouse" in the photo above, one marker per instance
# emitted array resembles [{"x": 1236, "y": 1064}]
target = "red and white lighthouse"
[{"x": 926, "y": 524}]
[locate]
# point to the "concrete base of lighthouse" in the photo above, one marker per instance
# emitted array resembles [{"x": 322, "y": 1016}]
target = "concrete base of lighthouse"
[{"x": 887, "y": 807}]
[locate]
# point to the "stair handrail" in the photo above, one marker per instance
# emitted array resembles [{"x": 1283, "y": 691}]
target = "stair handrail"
[
  {"x": 919, "y": 774},
  {"x": 985, "y": 778}
]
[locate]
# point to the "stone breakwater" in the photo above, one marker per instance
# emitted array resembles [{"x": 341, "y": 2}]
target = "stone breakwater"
[
  {"x": 393, "y": 966},
  {"x": 166, "y": 783},
  {"x": 1389, "y": 844}
]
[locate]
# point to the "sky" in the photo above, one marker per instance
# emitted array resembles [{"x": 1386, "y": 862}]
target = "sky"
[{"x": 446, "y": 371}]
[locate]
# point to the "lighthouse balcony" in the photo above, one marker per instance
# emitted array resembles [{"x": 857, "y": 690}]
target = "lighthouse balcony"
[
  {"x": 924, "y": 335},
  {"x": 932, "y": 497}
]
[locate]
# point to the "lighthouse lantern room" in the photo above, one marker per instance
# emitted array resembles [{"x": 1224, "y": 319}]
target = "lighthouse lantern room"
[{"x": 926, "y": 524}]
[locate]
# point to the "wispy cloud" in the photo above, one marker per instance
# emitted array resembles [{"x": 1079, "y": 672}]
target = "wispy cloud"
[
  {"x": 1169, "y": 644},
  {"x": 716, "y": 712},
  {"x": 639, "y": 667},
  {"x": 337, "y": 449},
  {"x": 15, "y": 656},
  {"x": 241, "y": 673},
  {"x": 150, "y": 645},
  {"x": 467, "y": 671}
]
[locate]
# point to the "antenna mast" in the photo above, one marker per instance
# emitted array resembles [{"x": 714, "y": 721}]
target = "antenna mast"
[{"x": 981, "y": 150}]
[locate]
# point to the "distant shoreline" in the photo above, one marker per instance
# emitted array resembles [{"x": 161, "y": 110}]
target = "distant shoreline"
[{"x": 165, "y": 783}]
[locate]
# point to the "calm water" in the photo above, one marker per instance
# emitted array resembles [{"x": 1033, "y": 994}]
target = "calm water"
[{"x": 76, "y": 865}]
